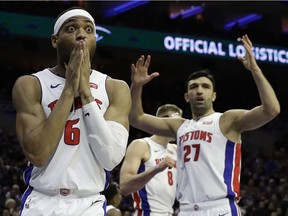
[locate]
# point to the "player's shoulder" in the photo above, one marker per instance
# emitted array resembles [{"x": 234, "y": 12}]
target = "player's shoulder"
[
  {"x": 116, "y": 83},
  {"x": 137, "y": 144},
  {"x": 26, "y": 78},
  {"x": 26, "y": 88},
  {"x": 26, "y": 82},
  {"x": 118, "y": 90},
  {"x": 138, "y": 148},
  {"x": 230, "y": 116}
]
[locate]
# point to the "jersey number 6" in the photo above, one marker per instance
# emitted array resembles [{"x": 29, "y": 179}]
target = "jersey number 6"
[{"x": 71, "y": 134}]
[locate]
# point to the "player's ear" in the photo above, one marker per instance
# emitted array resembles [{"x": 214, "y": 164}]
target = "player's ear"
[
  {"x": 186, "y": 97},
  {"x": 214, "y": 96},
  {"x": 54, "y": 41}
]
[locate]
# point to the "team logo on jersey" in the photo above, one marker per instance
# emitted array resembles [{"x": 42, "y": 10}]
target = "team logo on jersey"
[
  {"x": 55, "y": 86},
  {"x": 93, "y": 85},
  {"x": 64, "y": 191}
]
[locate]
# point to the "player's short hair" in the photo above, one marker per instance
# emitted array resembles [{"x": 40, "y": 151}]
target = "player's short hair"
[
  {"x": 164, "y": 109},
  {"x": 201, "y": 73}
]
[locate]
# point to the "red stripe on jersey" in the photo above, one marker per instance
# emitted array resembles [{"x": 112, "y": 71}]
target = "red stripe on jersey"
[
  {"x": 139, "y": 212},
  {"x": 136, "y": 199},
  {"x": 237, "y": 168}
]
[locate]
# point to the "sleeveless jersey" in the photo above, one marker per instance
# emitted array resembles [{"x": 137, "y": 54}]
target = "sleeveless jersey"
[
  {"x": 72, "y": 166},
  {"x": 159, "y": 194},
  {"x": 208, "y": 163}
]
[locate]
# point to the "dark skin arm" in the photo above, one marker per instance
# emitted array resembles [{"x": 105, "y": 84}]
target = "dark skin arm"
[{"x": 39, "y": 136}]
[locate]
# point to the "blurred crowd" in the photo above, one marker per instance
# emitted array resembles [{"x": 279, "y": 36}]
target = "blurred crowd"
[{"x": 264, "y": 179}]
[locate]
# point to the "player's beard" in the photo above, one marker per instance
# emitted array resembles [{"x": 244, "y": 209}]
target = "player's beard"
[
  {"x": 64, "y": 54},
  {"x": 92, "y": 51},
  {"x": 199, "y": 110}
]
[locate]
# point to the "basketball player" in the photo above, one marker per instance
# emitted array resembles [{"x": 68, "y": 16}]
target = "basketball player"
[
  {"x": 148, "y": 171},
  {"x": 209, "y": 144},
  {"x": 72, "y": 124}
]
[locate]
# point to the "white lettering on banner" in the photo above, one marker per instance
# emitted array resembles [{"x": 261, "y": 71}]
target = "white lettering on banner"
[
  {"x": 231, "y": 50},
  {"x": 190, "y": 45},
  {"x": 237, "y": 51}
]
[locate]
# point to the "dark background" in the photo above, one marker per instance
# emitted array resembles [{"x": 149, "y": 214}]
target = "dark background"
[{"x": 235, "y": 86}]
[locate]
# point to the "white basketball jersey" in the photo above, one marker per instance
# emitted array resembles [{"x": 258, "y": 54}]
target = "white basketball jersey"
[
  {"x": 208, "y": 163},
  {"x": 72, "y": 166},
  {"x": 159, "y": 194}
]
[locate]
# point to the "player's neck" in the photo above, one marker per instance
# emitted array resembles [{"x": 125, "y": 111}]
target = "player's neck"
[
  {"x": 198, "y": 116},
  {"x": 59, "y": 71}
]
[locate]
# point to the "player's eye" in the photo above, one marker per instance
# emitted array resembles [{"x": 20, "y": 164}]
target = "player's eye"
[
  {"x": 193, "y": 86},
  {"x": 89, "y": 30},
  {"x": 71, "y": 28},
  {"x": 206, "y": 86}
]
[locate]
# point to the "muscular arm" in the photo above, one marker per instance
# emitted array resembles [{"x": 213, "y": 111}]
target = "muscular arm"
[
  {"x": 108, "y": 134},
  {"x": 120, "y": 102},
  {"x": 38, "y": 136},
  {"x": 137, "y": 117},
  {"x": 244, "y": 120}
]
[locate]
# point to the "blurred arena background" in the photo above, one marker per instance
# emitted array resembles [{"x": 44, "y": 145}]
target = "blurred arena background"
[{"x": 128, "y": 29}]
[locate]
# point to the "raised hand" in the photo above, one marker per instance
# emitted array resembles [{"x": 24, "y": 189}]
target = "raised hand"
[
  {"x": 84, "y": 87},
  {"x": 139, "y": 71},
  {"x": 248, "y": 61},
  {"x": 73, "y": 68}
]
